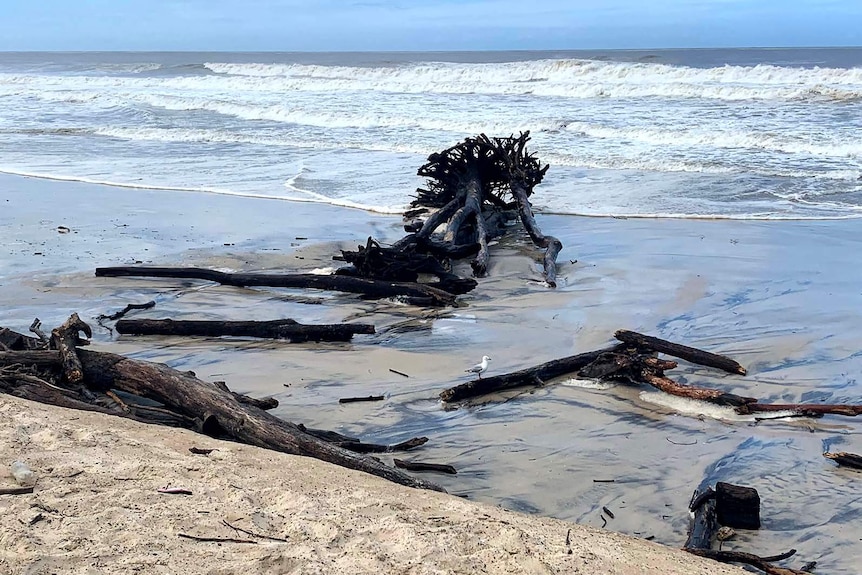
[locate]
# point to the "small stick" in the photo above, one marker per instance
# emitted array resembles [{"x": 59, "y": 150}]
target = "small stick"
[
  {"x": 419, "y": 466},
  {"x": 216, "y": 539},
  {"x": 358, "y": 399},
  {"x": 398, "y": 372},
  {"x": 36, "y": 327},
  {"x": 608, "y": 512},
  {"x": 604, "y": 521},
  {"x": 175, "y": 491},
  {"x": 252, "y": 533},
  {"x": 16, "y": 490},
  {"x": 199, "y": 451},
  {"x": 119, "y": 401},
  {"x": 127, "y": 309},
  {"x": 604, "y": 480}
]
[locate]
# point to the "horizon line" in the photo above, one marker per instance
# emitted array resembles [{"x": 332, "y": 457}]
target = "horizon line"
[{"x": 200, "y": 51}]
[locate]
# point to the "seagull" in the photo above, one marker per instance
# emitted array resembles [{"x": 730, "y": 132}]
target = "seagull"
[{"x": 479, "y": 368}]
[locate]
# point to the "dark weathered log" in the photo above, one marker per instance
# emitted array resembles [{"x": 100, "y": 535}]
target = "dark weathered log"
[
  {"x": 326, "y": 435},
  {"x": 804, "y": 409},
  {"x": 700, "y": 393},
  {"x": 737, "y": 506},
  {"x": 419, "y": 466},
  {"x": 845, "y": 459},
  {"x": 526, "y": 377},
  {"x": 681, "y": 351},
  {"x": 361, "y": 399},
  {"x": 278, "y": 329},
  {"x": 359, "y": 447},
  {"x": 704, "y": 524},
  {"x": 762, "y": 563},
  {"x": 64, "y": 339},
  {"x": 220, "y": 410},
  {"x": 367, "y": 287}
]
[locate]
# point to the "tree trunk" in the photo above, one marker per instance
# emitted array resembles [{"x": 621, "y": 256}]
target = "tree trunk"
[{"x": 276, "y": 329}]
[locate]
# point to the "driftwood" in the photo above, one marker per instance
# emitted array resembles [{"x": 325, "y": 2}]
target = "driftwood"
[
  {"x": 737, "y": 506},
  {"x": 472, "y": 190},
  {"x": 704, "y": 522},
  {"x": 64, "y": 339},
  {"x": 533, "y": 376},
  {"x": 277, "y": 329},
  {"x": 845, "y": 459},
  {"x": 420, "y": 466},
  {"x": 762, "y": 563},
  {"x": 213, "y": 410},
  {"x": 681, "y": 351},
  {"x": 413, "y": 292},
  {"x": 359, "y": 447},
  {"x": 806, "y": 409}
]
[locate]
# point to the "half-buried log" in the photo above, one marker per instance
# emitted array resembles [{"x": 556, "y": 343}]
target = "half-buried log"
[
  {"x": 691, "y": 354},
  {"x": 276, "y": 329},
  {"x": 845, "y": 459},
  {"x": 367, "y": 287},
  {"x": 217, "y": 411},
  {"x": 704, "y": 523},
  {"x": 737, "y": 506}
]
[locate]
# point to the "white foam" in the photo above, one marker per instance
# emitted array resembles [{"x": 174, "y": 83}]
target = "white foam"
[
  {"x": 588, "y": 384},
  {"x": 694, "y": 408}
]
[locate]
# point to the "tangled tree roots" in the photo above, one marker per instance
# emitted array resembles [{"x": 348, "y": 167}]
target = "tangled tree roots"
[{"x": 473, "y": 188}]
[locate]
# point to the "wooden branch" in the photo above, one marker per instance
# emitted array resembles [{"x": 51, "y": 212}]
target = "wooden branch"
[
  {"x": 525, "y": 377},
  {"x": 748, "y": 559},
  {"x": 367, "y": 287},
  {"x": 551, "y": 244},
  {"x": 804, "y": 409},
  {"x": 691, "y": 354},
  {"x": 217, "y": 408},
  {"x": 700, "y": 393},
  {"x": 277, "y": 329},
  {"x": 845, "y": 459},
  {"x": 127, "y": 309}
]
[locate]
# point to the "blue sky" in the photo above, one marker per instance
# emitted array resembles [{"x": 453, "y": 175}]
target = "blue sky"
[{"x": 336, "y": 25}]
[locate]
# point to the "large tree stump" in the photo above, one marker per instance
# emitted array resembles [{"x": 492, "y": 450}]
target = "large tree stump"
[{"x": 737, "y": 506}]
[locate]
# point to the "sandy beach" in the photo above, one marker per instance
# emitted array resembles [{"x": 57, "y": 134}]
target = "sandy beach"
[{"x": 779, "y": 297}]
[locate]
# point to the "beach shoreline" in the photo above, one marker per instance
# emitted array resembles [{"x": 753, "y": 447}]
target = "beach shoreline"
[{"x": 778, "y": 296}]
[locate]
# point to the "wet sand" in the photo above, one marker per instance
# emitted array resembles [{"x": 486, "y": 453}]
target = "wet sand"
[{"x": 783, "y": 298}]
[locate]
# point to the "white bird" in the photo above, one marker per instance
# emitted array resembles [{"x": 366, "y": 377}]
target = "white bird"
[{"x": 479, "y": 368}]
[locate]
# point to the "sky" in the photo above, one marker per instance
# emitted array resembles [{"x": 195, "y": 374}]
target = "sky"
[{"x": 393, "y": 25}]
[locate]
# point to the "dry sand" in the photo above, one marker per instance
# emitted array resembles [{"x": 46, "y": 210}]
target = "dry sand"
[{"x": 96, "y": 510}]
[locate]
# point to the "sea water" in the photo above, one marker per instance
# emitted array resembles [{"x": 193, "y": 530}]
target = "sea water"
[{"x": 764, "y": 134}]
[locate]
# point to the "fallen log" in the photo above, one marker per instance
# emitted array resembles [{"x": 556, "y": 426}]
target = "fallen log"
[
  {"x": 276, "y": 329},
  {"x": 420, "y": 466},
  {"x": 845, "y": 459},
  {"x": 218, "y": 412},
  {"x": 367, "y": 287},
  {"x": 526, "y": 377},
  {"x": 360, "y": 447},
  {"x": 691, "y": 354}
]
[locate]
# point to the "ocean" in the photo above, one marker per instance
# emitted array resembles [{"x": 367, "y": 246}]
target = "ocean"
[{"x": 742, "y": 133}]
